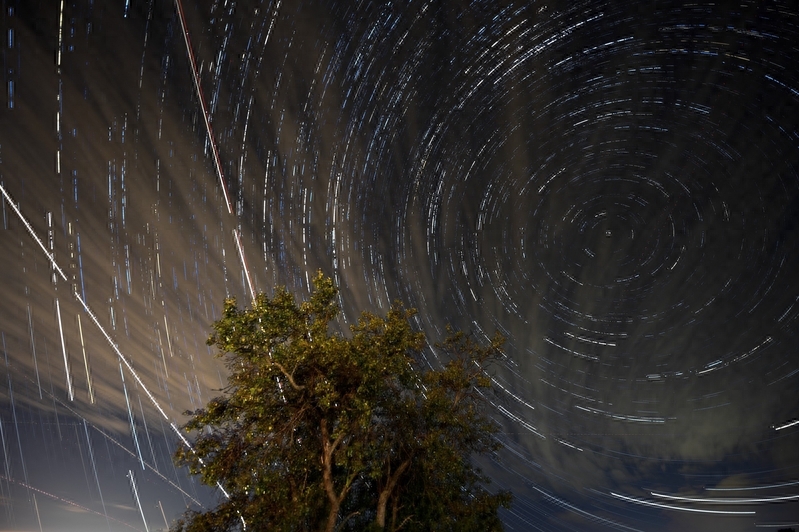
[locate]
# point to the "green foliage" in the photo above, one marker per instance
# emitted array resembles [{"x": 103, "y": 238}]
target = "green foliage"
[{"x": 318, "y": 431}]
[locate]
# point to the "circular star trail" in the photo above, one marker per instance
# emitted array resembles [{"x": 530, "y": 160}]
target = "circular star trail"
[{"x": 613, "y": 187}]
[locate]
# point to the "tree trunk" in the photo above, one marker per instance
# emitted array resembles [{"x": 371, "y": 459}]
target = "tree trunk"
[
  {"x": 382, "y": 500},
  {"x": 331, "y": 518},
  {"x": 394, "y": 509},
  {"x": 327, "y": 478},
  {"x": 335, "y": 502}
]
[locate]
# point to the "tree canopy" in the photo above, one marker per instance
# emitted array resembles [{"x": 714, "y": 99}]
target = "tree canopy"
[{"x": 317, "y": 430}]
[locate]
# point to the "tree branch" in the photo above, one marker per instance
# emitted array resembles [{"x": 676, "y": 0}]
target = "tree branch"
[
  {"x": 404, "y": 521},
  {"x": 289, "y": 376},
  {"x": 382, "y": 499}
]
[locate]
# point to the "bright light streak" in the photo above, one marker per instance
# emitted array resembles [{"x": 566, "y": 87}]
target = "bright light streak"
[
  {"x": 131, "y": 453},
  {"x": 766, "y": 487},
  {"x": 786, "y": 425},
  {"x": 107, "y": 337},
  {"x": 136, "y": 496},
  {"x": 237, "y": 239},
  {"x": 130, "y": 418},
  {"x": 64, "y": 351},
  {"x": 168, "y": 339},
  {"x": 31, "y": 231},
  {"x": 211, "y": 139},
  {"x": 60, "y": 35},
  {"x": 86, "y": 362},
  {"x": 161, "y": 506},
  {"x": 92, "y": 316},
  {"x": 147, "y": 432},
  {"x": 592, "y": 517},
  {"x": 38, "y": 517},
  {"x": 203, "y": 108},
  {"x": 680, "y": 508},
  {"x": 621, "y": 417},
  {"x": 567, "y": 444},
  {"x": 738, "y": 500},
  {"x": 97, "y": 323}
]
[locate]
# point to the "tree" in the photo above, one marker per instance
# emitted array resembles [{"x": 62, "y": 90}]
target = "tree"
[{"x": 321, "y": 431}]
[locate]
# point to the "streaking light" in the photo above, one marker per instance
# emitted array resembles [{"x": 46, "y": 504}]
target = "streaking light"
[{"x": 679, "y": 508}]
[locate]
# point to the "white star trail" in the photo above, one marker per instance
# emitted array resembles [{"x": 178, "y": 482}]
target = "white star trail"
[{"x": 615, "y": 190}]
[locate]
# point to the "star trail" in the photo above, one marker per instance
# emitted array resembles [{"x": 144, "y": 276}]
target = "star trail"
[{"x": 613, "y": 186}]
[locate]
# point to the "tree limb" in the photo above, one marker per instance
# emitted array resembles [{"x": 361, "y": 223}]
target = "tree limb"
[
  {"x": 382, "y": 499},
  {"x": 289, "y": 376}
]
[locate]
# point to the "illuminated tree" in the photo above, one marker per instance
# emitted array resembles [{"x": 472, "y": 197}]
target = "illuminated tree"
[{"x": 321, "y": 431}]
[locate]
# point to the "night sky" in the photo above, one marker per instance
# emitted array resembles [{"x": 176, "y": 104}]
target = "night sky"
[{"x": 613, "y": 185}]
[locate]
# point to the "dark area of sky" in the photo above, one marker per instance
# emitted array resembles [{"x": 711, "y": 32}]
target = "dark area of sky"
[{"x": 612, "y": 185}]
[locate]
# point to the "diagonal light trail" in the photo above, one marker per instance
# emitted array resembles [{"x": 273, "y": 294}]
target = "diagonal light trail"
[
  {"x": 65, "y": 501},
  {"x": 96, "y": 321},
  {"x": 203, "y": 107},
  {"x": 108, "y": 338},
  {"x": 212, "y": 140}
]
